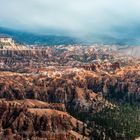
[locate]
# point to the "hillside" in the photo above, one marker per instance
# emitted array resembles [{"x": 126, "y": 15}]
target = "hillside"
[{"x": 34, "y": 39}]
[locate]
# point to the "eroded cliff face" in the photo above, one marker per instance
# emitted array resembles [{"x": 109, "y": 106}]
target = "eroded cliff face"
[
  {"x": 78, "y": 88},
  {"x": 33, "y": 119},
  {"x": 73, "y": 91},
  {"x": 122, "y": 85},
  {"x": 40, "y": 106}
]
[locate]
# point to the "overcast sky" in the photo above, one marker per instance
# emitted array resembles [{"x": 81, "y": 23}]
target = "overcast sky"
[{"x": 88, "y": 17}]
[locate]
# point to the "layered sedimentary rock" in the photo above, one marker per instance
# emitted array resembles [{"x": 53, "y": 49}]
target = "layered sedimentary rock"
[
  {"x": 33, "y": 119},
  {"x": 52, "y": 93}
]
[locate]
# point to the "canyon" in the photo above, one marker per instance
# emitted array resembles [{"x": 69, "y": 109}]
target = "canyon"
[{"x": 65, "y": 92}]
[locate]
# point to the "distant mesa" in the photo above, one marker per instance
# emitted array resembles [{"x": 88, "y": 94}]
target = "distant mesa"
[{"x": 7, "y": 43}]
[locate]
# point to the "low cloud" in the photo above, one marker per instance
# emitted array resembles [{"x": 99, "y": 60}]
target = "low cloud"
[{"x": 119, "y": 18}]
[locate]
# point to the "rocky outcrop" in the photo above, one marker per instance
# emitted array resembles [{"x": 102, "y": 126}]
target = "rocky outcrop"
[{"x": 31, "y": 119}]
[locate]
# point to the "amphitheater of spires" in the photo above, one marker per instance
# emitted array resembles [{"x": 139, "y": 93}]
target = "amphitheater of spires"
[{"x": 46, "y": 91}]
